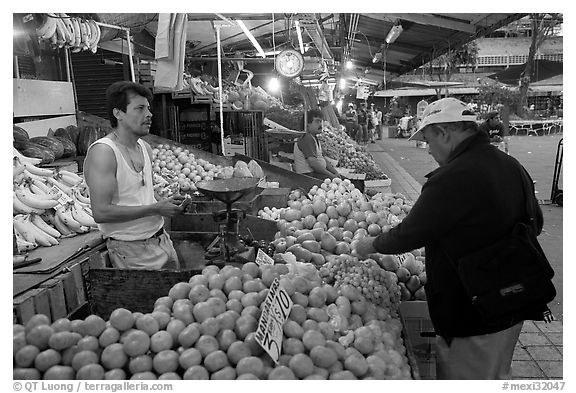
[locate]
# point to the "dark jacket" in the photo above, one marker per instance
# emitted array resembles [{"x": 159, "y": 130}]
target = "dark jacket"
[{"x": 469, "y": 203}]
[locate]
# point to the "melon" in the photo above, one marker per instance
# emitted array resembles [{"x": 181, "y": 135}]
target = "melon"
[
  {"x": 69, "y": 146},
  {"x": 35, "y": 150},
  {"x": 87, "y": 136},
  {"x": 20, "y": 136},
  {"x": 73, "y": 133},
  {"x": 233, "y": 96},
  {"x": 51, "y": 143},
  {"x": 260, "y": 105}
]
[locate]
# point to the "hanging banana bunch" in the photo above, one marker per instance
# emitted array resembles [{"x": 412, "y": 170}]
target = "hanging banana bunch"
[{"x": 63, "y": 31}]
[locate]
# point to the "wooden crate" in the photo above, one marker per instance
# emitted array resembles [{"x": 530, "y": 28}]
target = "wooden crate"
[
  {"x": 201, "y": 99},
  {"x": 135, "y": 290}
]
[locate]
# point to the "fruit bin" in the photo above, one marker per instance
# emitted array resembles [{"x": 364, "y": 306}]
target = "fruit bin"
[{"x": 419, "y": 337}]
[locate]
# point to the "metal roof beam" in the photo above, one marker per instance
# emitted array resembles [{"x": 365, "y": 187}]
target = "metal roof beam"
[{"x": 429, "y": 20}]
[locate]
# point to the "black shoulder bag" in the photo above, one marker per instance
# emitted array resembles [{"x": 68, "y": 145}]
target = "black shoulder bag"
[{"x": 511, "y": 280}]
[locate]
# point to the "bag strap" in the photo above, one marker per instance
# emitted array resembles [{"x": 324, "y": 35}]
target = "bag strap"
[{"x": 530, "y": 200}]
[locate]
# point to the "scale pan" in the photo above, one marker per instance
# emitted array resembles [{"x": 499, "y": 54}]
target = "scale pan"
[{"x": 228, "y": 190}]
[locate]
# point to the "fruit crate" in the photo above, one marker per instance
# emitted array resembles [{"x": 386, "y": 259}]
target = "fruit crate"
[
  {"x": 135, "y": 290},
  {"x": 420, "y": 337}
]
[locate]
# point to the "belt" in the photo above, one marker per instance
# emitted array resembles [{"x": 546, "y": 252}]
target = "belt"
[{"x": 159, "y": 233}]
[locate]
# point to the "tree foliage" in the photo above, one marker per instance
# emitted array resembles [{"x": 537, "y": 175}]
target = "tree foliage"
[
  {"x": 542, "y": 27},
  {"x": 442, "y": 67},
  {"x": 494, "y": 94}
]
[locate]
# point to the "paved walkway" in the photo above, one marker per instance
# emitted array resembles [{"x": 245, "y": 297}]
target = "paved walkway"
[{"x": 539, "y": 351}]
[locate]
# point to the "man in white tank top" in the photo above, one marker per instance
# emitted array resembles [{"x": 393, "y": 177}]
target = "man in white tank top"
[{"x": 118, "y": 171}]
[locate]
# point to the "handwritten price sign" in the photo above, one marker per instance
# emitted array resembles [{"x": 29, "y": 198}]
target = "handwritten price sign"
[
  {"x": 276, "y": 309},
  {"x": 263, "y": 259}
]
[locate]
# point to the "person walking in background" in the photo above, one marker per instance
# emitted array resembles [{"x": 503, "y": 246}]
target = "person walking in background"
[
  {"x": 454, "y": 217},
  {"x": 371, "y": 124},
  {"x": 351, "y": 121},
  {"x": 496, "y": 130},
  {"x": 379, "y": 122},
  {"x": 362, "y": 134}
]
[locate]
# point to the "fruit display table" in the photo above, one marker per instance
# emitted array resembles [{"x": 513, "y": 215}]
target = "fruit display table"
[{"x": 55, "y": 286}]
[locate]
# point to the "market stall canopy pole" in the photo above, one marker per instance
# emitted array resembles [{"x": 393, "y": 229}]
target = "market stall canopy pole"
[
  {"x": 128, "y": 40},
  {"x": 220, "y": 87}
]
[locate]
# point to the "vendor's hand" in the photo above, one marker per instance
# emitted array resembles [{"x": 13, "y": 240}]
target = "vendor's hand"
[
  {"x": 171, "y": 206},
  {"x": 365, "y": 247}
]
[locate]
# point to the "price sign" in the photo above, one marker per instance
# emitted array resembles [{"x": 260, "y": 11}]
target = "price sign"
[
  {"x": 63, "y": 199},
  {"x": 276, "y": 309},
  {"x": 263, "y": 259}
]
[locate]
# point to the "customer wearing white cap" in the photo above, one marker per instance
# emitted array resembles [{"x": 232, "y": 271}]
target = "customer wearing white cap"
[{"x": 472, "y": 200}]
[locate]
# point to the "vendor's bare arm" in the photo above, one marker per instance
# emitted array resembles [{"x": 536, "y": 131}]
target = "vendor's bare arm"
[
  {"x": 331, "y": 169},
  {"x": 100, "y": 174},
  {"x": 318, "y": 167}
]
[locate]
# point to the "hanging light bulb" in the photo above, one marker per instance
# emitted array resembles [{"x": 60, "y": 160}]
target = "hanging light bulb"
[
  {"x": 349, "y": 64},
  {"x": 342, "y": 83},
  {"x": 274, "y": 84}
]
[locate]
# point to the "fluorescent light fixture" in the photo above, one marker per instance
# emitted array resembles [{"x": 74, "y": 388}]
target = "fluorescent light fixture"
[
  {"x": 273, "y": 52},
  {"x": 342, "y": 83},
  {"x": 274, "y": 84},
  {"x": 349, "y": 64},
  {"x": 251, "y": 38},
  {"x": 297, "y": 23},
  {"x": 393, "y": 34}
]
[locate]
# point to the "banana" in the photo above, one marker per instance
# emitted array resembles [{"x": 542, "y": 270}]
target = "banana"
[
  {"x": 77, "y": 32},
  {"x": 98, "y": 33},
  {"x": 60, "y": 32},
  {"x": 28, "y": 198},
  {"x": 43, "y": 226},
  {"x": 22, "y": 244},
  {"x": 81, "y": 198},
  {"x": 82, "y": 217},
  {"x": 40, "y": 237},
  {"x": 83, "y": 35},
  {"x": 20, "y": 207},
  {"x": 69, "y": 178},
  {"x": 17, "y": 170},
  {"x": 48, "y": 28},
  {"x": 68, "y": 27},
  {"x": 66, "y": 217},
  {"x": 65, "y": 189},
  {"x": 41, "y": 185},
  {"x": 39, "y": 193},
  {"x": 62, "y": 228},
  {"x": 33, "y": 169},
  {"x": 22, "y": 229}
]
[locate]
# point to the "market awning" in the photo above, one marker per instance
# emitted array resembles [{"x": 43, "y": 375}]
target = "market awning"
[
  {"x": 542, "y": 69},
  {"x": 329, "y": 38}
]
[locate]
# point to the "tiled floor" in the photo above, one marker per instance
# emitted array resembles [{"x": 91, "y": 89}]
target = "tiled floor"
[{"x": 539, "y": 352}]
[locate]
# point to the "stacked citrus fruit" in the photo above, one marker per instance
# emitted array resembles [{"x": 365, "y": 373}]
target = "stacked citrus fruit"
[{"x": 205, "y": 329}]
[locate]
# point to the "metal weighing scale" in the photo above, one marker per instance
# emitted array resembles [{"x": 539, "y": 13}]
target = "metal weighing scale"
[{"x": 227, "y": 243}]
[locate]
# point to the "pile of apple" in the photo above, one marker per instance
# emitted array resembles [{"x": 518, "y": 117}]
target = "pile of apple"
[
  {"x": 177, "y": 170},
  {"x": 329, "y": 220},
  {"x": 338, "y": 145},
  {"x": 206, "y": 329}
]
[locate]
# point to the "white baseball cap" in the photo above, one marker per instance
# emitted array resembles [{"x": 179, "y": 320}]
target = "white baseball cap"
[{"x": 446, "y": 110}]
